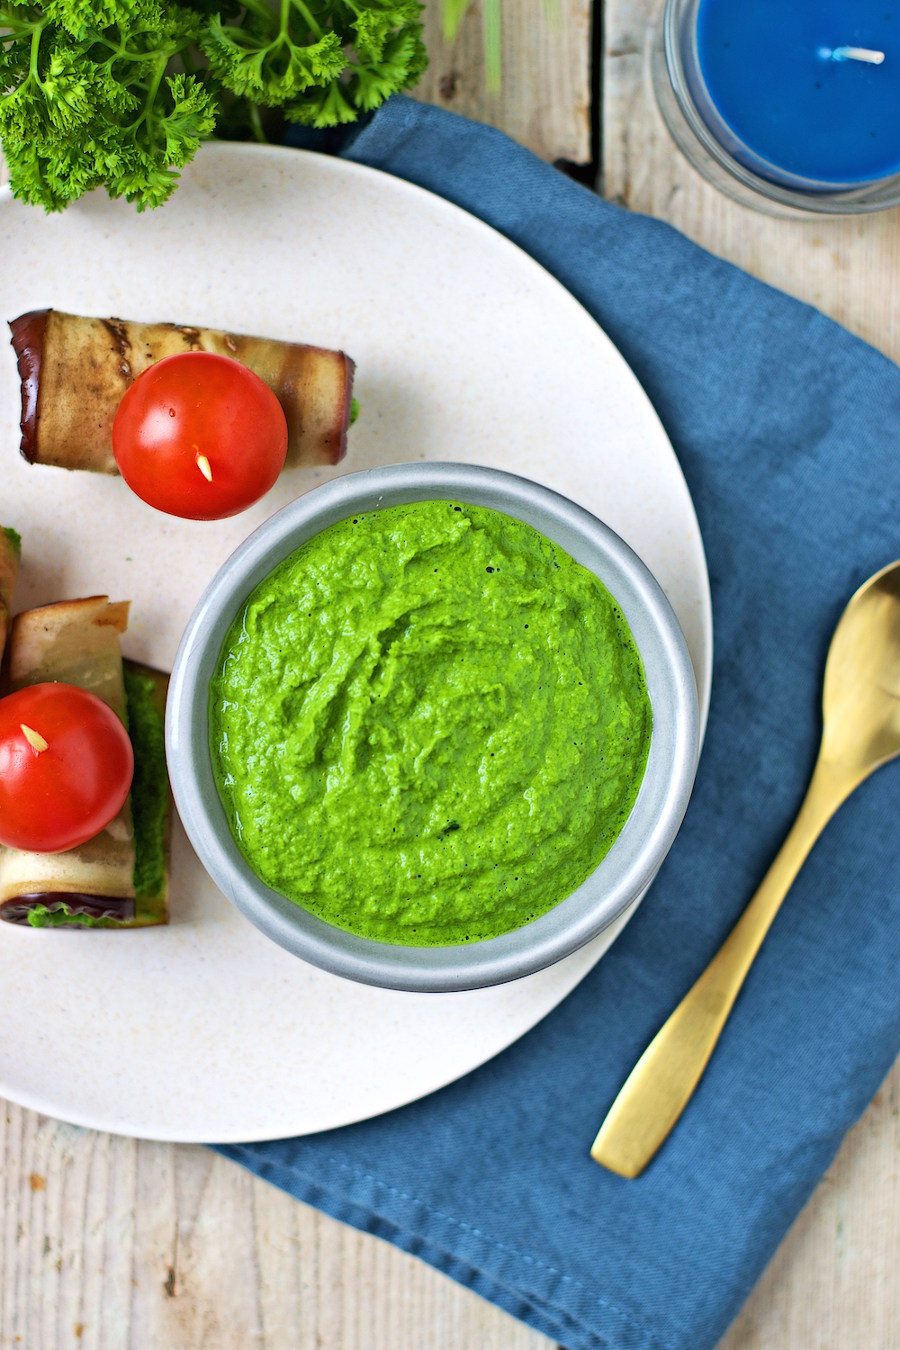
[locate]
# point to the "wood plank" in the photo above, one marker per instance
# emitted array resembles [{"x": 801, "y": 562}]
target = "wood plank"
[
  {"x": 832, "y": 1283},
  {"x": 115, "y": 1244},
  {"x": 118, "y": 1244},
  {"x": 546, "y": 93}
]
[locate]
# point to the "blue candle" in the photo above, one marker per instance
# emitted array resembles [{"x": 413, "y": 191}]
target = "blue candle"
[{"x": 805, "y": 93}]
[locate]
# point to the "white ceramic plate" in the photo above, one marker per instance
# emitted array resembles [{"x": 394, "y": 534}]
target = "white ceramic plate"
[{"x": 466, "y": 350}]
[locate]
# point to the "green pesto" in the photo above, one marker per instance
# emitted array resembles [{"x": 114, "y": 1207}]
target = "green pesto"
[
  {"x": 429, "y": 724},
  {"x": 60, "y": 916},
  {"x": 149, "y": 787},
  {"x": 14, "y": 538}
]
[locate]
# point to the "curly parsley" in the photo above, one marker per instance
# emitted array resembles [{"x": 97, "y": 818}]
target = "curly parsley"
[{"x": 120, "y": 93}]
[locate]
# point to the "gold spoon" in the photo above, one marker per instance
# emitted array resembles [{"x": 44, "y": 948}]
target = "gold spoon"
[{"x": 861, "y": 731}]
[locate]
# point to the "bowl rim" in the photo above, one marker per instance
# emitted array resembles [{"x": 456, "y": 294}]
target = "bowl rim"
[{"x": 637, "y": 852}]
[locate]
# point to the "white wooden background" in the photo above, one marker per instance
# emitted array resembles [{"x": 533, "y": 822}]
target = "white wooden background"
[{"x": 127, "y": 1245}]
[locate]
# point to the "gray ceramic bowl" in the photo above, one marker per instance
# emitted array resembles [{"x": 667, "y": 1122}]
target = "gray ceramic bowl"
[{"x": 622, "y": 875}]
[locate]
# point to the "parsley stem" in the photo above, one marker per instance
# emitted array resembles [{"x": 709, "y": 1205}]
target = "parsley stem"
[
  {"x": 122, "y": 53},
  {"x": 256, "y": 125},
  {"x": 14, "y": 29},
  {"x": 286, "y": 6},
  {"x": 162, "y": 61},
  {"x": 256, "y": 7},
  {"x": 34, "y": 74},
  {"x": 35, "y": 49}
]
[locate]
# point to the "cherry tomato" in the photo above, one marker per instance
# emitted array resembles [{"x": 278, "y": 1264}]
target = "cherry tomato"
[
  {"x": 66, "y": 765},
  {"x": 199, "y": 435}
]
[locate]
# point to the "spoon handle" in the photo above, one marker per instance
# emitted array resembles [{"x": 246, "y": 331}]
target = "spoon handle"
[{"x": 663, "y": 1081}]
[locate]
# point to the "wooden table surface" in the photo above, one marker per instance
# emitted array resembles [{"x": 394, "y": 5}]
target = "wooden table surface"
[{"x": 116, "y": 1243}]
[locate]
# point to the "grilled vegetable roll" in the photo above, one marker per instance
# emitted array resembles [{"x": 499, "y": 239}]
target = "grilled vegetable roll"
[
  {"x": 10, "y": 548},
  {"x": 119, "y": 878},
  {"x": 74, "y": 372}
]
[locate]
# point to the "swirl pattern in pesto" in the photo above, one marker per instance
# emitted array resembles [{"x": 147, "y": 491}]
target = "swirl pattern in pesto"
[{"x": 429, "y": 724}]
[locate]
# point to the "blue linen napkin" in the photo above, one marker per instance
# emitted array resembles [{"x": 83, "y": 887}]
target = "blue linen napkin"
[{"x": 788, "y": 431}]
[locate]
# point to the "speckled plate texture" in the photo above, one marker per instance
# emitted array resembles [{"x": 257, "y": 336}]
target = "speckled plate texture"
[{"x": 467, "y": 350}]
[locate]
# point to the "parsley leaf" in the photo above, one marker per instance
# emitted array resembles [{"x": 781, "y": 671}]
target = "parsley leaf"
[
  {"x": 120, "y": 93},
  {"x": 322, "y": 61}
]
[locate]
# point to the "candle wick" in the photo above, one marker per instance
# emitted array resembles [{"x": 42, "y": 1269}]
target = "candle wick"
[{"x": 866, "y": 54}]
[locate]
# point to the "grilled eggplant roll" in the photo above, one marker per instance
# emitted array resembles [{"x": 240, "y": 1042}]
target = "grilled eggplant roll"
[
  {"x": 118, "y": 879},
  {"x": 10, "y": 548},
  {"x": 74, "y": 372}
]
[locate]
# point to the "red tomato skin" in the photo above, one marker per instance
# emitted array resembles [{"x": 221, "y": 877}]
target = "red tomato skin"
[
  {"x": 58, "y": 798},
  {"x": 193, "y": 404}
]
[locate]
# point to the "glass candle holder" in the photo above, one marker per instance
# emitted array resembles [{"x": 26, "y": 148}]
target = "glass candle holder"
[{"x": 794, "y": 110}]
